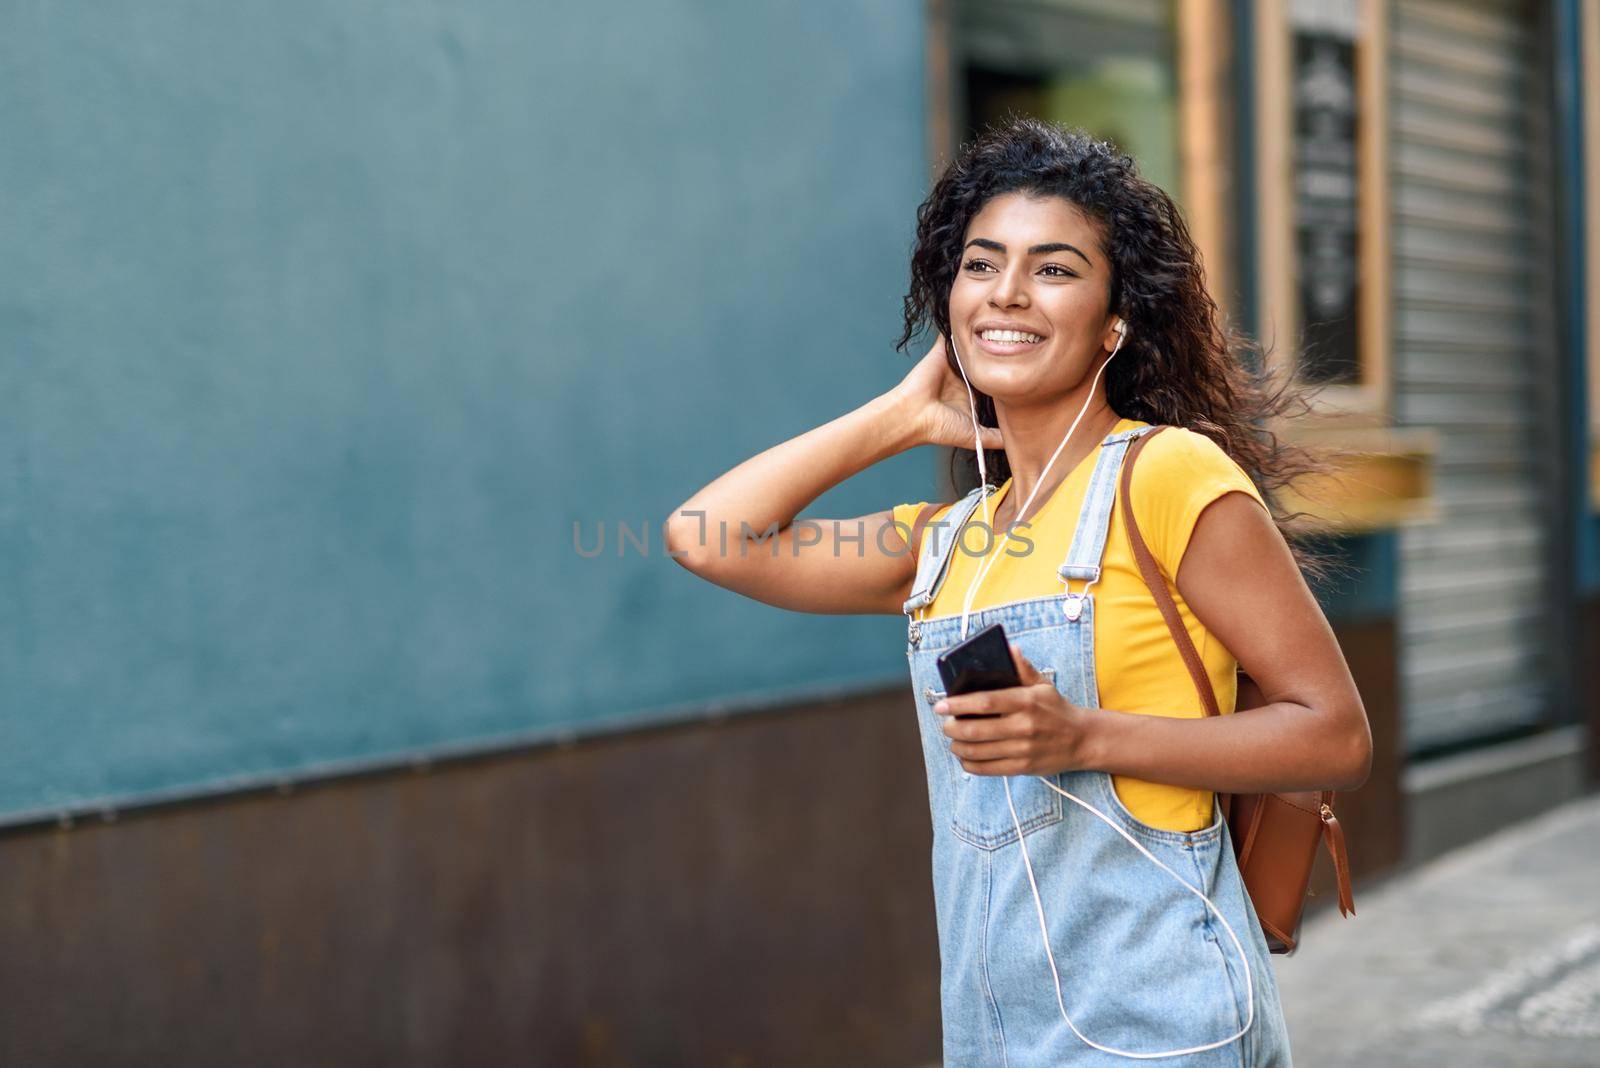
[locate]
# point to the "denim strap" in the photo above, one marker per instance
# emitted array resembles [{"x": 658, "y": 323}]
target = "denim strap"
[
  {"x": 1094, "y": 518},
  {"x": 932, "y": 565}
]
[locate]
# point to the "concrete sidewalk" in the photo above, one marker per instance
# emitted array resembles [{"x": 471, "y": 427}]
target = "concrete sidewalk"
[{"x": 1489, "y": 955}]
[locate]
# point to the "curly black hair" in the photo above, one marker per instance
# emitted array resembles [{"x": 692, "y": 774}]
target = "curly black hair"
[{"x": 1180, "y": 365}]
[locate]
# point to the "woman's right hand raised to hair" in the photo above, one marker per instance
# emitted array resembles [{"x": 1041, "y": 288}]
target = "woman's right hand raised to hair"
[
  {"x": 742, "y": 531},
  {"x": 934, "y": 396}
]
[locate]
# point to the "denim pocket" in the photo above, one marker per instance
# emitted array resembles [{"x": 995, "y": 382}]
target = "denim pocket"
[
  {"x": 1152, "y": 973},
  {"x": 979, "y": 812},
  {"x": 981, "y": 816}
]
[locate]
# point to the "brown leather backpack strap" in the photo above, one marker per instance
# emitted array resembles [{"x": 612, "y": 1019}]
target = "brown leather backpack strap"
[
  {"x": 1332, "y": 834},
  {"x": 1158, "y": 583}
]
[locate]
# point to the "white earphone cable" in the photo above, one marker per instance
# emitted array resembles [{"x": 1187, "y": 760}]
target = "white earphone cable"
[
  {"x": 983, "y": 568},
  {"x": 1044, "y": 929}
]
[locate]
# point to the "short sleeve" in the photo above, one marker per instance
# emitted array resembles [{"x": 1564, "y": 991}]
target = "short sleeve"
[
  {"x": 906, "y": 515},
  {"x": 1178, "y": 474}
]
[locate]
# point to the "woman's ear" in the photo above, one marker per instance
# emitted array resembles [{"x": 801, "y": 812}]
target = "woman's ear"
[{"x": 1118, "y": 335}]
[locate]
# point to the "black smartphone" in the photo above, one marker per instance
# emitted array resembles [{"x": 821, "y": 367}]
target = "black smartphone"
[{"x": 982, "y": 662}]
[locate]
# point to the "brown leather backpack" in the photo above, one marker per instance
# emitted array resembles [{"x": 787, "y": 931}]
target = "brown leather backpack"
[{"x": 1274, "y": 835}]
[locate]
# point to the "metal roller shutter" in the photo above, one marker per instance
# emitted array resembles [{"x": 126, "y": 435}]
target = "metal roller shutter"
[{"x": 1471, "y": 266}]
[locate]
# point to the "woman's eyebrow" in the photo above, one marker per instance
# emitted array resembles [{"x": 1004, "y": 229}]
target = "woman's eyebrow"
[{"x": 1033, "y": 250}]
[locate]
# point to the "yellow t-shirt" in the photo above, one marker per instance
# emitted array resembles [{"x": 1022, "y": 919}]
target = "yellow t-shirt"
[{"x": 1137, "y": 663}]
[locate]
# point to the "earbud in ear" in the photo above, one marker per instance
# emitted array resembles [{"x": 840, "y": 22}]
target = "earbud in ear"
[{"x": 1122, "y": 328}]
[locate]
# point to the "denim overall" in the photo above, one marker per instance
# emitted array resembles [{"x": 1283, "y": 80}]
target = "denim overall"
[{"x": 1144, "y": 965}]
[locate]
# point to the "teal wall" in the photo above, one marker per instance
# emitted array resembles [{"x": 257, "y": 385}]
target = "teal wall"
[{"x": 323, "y": 323}]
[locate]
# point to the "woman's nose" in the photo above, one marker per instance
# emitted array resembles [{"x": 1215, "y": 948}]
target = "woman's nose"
[{"x": 1008, "y": 290}]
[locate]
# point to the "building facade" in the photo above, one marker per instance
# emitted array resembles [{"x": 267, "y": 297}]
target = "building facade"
[{"x": 1403, "y": 198}]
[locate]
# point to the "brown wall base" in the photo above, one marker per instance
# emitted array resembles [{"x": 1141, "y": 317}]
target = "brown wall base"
[{"x": 754, "y": 893}]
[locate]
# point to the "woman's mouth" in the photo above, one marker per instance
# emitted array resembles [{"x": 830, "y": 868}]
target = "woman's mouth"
[{"x": 1008, "y": 342}]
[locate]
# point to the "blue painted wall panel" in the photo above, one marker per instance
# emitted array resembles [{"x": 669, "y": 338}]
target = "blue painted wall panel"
[{"x": 324, "y": 323}]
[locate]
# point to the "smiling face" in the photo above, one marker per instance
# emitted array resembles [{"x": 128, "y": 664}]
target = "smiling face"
[{"x": 1029, "y": 305}]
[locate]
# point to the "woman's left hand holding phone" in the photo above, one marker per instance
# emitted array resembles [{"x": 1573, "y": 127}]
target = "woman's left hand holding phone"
[{"x": 1028, "y": 730}]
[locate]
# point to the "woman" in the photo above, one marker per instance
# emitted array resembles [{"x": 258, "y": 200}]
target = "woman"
[{"x": 1089, "y": 906}]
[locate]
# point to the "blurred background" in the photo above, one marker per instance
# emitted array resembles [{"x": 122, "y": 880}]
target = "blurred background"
[{"x": 353, "y": 354}]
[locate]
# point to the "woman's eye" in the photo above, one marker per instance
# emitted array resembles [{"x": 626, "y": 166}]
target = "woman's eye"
[{"x": 1055, "y": 269}]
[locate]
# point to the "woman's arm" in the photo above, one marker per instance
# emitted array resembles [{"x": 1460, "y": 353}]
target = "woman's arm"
[
  {"x": 740, "y": 531},
  {"x": 1242, "y": 583}
]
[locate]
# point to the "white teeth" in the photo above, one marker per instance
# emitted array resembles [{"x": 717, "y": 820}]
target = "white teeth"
[{"x": 1008, "y": 335}]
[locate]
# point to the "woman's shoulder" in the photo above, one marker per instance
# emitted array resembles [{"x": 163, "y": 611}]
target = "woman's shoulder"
[
  {"x": 1179, "y": 472},
  {"x": 1177, "y": 457},
  {"x": 1181, "y": 442},
  {"x": 908, "y": 513},
  {"x": 913, "y": 520}
]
